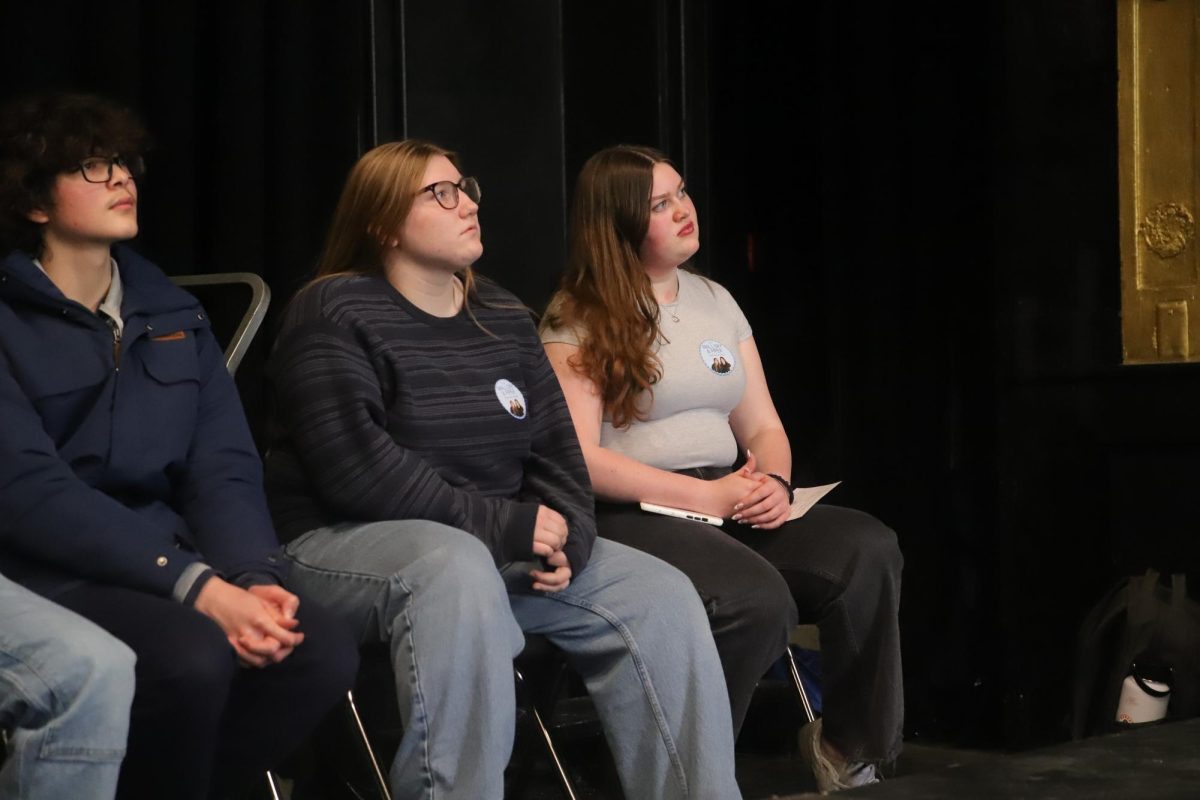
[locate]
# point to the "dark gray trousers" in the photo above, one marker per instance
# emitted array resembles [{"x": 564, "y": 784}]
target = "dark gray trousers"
[{"x": 836, "y": 567}]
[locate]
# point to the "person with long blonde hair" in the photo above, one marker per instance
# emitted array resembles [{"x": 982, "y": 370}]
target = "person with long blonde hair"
[
  {"x": 427, "y": 479},
  {"x": 665, "y": 385}
]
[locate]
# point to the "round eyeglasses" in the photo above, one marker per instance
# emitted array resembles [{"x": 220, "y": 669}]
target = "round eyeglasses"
[
  {"x": 99, "y": 169},
  {"x": 446, "y": 192}
]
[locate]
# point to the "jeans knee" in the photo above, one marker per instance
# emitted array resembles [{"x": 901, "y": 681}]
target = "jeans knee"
[
  {"x": 670, "y": 585},
  {"x": 472, "y": 562},
  {"x": 455, "y": 583},
  {"x": 670, "y": 579},
  {"x": 112, "y": 669},
  {"x": 90, "y": 664},
  {"x": 456, "y": 556}
]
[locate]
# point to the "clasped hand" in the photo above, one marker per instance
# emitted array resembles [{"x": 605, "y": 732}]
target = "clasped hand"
[
  {"x": 549, "y": 538},
  {"x": 764, "y": 504},
  {"x": 259, "y": 622}
]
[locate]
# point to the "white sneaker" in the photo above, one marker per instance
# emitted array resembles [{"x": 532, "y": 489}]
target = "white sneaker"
[{"x": 830, "y": 777}]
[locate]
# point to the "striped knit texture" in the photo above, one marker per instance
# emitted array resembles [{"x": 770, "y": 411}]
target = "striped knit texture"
[{"x": 383, "y": 412}]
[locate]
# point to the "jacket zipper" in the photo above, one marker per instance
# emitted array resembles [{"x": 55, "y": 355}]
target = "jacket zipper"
[{"x": 116, "y": 337}]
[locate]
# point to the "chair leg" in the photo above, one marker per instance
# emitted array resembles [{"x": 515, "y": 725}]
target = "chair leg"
[
  {"x": 564, "y": 781},
  {"x": 273, "y": 785},
  {"x": 794, "y": 670},
  {"x": 380, "y": 780}
]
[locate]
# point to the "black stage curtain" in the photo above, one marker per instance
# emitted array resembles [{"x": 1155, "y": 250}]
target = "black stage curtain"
[{"x": 255, "y": 109}]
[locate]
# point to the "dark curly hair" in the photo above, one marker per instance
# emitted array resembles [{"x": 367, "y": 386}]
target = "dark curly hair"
[{"x": 45, "y": 135}]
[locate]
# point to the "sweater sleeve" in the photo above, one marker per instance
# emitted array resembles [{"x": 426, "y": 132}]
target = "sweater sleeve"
[
  {"x": 48, "y": 514},
  {"x": 555, "y": 473},
  {"x": 331, "y": 404}
]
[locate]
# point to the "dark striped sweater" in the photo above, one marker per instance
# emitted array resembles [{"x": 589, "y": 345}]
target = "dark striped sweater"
[{"x": 385, "y": 412}]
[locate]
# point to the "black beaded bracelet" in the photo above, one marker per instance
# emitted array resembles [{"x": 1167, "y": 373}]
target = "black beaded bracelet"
[{"x": 785, "y": 484}]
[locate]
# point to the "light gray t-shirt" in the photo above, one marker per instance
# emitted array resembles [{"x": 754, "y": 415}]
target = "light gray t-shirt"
[{"x": 687, "y": 424}]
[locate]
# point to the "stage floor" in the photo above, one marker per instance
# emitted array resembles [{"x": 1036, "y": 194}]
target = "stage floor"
[
  {"x": 1161, "y": 762},
  {"x": 1155, "y": 763}
]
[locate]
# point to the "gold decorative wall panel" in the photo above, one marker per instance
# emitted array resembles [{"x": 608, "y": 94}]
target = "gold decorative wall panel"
[{"x": 1159, "y": 113}]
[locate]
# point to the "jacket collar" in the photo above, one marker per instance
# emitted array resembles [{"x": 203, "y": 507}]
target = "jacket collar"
[{"x": 146, "y": 289}]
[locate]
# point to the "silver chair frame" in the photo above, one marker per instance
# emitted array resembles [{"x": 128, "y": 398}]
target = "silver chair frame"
[
  {"x": 380, "y": 781},
  {"x": 563, "y": 780},
  {"x": 808, "y": 637},
  {"x": 260, "y": 298}
]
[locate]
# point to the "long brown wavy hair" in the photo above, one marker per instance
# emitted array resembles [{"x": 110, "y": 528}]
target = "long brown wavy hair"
[
  {"x": 375, "y": 201},
  {"x": 605, "y": 294}
]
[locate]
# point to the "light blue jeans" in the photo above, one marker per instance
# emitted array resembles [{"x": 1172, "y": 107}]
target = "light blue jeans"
[
  {"x": 631, "y": 625},
  {"x": 65, "y": 690}
]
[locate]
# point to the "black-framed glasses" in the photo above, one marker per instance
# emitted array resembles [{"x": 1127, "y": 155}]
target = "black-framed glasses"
[
  {"x": 446, "y": 192},
  {"x": 99, "y": 169}
]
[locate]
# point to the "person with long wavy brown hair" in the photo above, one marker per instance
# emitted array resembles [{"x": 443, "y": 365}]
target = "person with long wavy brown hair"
[
  {"x": 426, "y": 478},
  {"x": 665, "y": 385}
]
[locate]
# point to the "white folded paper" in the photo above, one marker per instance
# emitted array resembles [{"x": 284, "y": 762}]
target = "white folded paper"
[{"x": 804, "y": 498}]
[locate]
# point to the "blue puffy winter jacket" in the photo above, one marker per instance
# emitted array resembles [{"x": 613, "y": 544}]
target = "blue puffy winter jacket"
[{"x": 121, "y": 463}]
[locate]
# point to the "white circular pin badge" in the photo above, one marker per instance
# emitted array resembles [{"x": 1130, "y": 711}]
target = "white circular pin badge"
[
  {"x": 510, "y": 398},
  {"x": 717, "y": 357}
]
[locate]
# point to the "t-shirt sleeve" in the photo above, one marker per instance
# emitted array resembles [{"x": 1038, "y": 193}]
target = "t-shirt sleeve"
[
  {"x": 730, "y": 308},
  {"x": 560, "y": 336},
  {"x": 565, "y": 334}
]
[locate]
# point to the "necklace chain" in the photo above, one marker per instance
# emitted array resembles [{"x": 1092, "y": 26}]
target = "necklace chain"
[{"x": 671, "y": 309}]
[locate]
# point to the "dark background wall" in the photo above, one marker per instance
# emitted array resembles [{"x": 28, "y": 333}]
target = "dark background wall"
[{"x": 916, "y": 205}]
